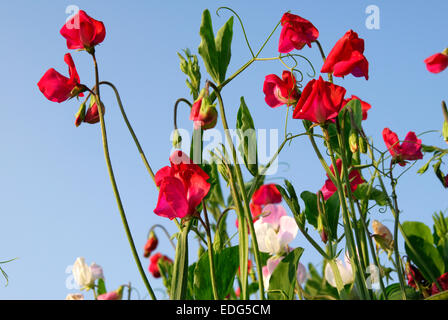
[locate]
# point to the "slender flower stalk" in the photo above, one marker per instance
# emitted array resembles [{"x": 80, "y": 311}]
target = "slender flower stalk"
[
  {"x": 114, "y": 185},
  {"x": 211, "y": 253},
  {"x": 131, "y": 130},
  {"x": 246, "y": 207}
]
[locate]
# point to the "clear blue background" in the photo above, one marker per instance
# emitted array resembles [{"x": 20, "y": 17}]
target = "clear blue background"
[{"x": 56, "y": 202}]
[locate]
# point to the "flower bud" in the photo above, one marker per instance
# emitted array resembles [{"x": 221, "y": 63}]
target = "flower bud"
[
  {"x": 92, "y": 116},
  {"x": 177, "y": 139},
  {"x": 80, "y": 115},
  {"x": 203, "y": 112},
  {"x": 323, "y": 236},
  {"x": 362, "y": 145},
  {"x": 150, "y": 245},
  {"x": 353, "y": 141},
  {"x": 74, "y": 296},
  {"x": 383, "y": 236},
  {"x": 154, "y": 264},
  {"x": 113, "y": 295}
]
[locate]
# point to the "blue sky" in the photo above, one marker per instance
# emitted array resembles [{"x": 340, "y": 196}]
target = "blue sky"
[{"x": 56, "y": 202}]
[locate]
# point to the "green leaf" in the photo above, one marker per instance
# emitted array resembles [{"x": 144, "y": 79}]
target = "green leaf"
[
  {"x": 316, "y": 286},
  {"x": 215, "y": 52},
  {"x": 393, "y": 292},
  {"x": 421, "y": 239},
  {"x": 311, "y": 212},
  {"x": 226, "y": 267},
  {"x": 332, "y": 209},
  {"x": 290, "y": 197},
  {"x": 101, "y": 287},
  {"x": 439, "y": 296},
  {"x": 377, "y": 195},
  {"x": 248, "y": 138},
  {"x": 283, "y": 279},
  {"x": 223, "y": 44}
]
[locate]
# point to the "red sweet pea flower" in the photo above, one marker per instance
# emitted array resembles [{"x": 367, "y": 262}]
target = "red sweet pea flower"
[
  {"x": 443, "y": 282},
  {"x": 437, "y": 62},
  {"x": 154, "y": 264},
  {"x": 182, "y": 187},
  {"x": 267, "y": 194},
  {"x": 409, "y": 149},
  {"x": 329, "y": 188},
  {"x": 58, "y": 88},
  {"x": 414, "y": 276},
  {"x": 364, "y": 105},
  {"x": 83, "y": 32},
  {"x": 347, "y": 57},
  {"x": 296, "y": 32},
  {"x": 320, "y": 101},
  {"x": 280, "y": 91}
]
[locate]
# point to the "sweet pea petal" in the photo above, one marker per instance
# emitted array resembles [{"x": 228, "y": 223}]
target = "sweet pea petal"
[
  {"x": 411, "y": 147},
  {"x": 272, "y": 214},
  {"x": 288, "y": 230},
  {"x": 172, "y": 202}
]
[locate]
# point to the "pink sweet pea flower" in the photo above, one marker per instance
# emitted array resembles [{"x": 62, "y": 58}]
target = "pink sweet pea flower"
[
  {"x": 109, "y": 296},
  {"x": 58, "y": 88},
  {"x": 329, "y": 188},
  {"x": 347, "y": 57},
  {"x": 181, "y": 187},
  {"x": 275, "y": 230},
  {"x": 409, "y": 149},
  {"x": 280, "y": 91},
  {"x": 83, "y": 32},
  {"x": 437, "y": 62},
  {"x": 296, "y": 32}
]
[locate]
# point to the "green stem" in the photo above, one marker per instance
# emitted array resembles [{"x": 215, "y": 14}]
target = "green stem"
[
  {"x": 360, "y": 264},
  {"x": 346, "y": 219},
  {"x": 400, "y": 227},
  {"x": 243, "y": 193},
  {"x": 131, "y": 130},
  {"x": 210, "y": 253},
  {"x": 134, "y": 136},
  {"x": 114, "y": 185},
  {"x": 396, "y": 222}
]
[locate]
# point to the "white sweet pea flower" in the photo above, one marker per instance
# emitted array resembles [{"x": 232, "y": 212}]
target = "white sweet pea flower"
[
  {"x": 345, "y": 271},
  {"x": 82, "y": 274},
  {"x": 275, "y": 230}
]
